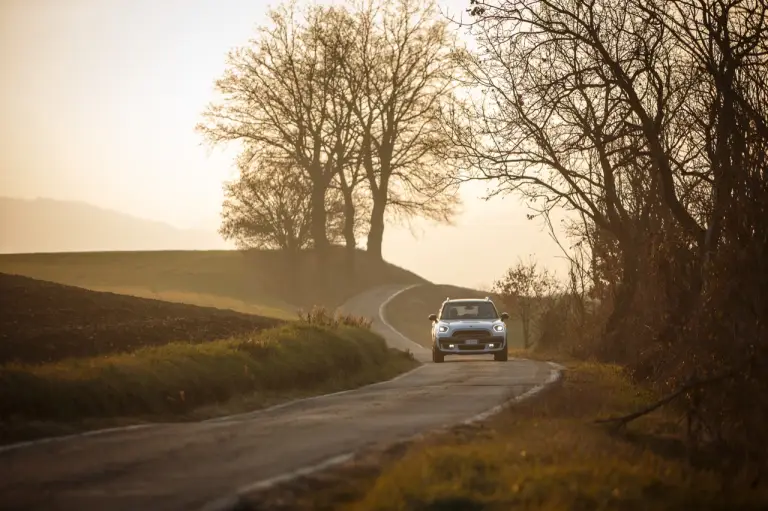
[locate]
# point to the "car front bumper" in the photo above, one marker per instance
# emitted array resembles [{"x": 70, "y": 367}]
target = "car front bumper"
[{"x": 462, "y": 347}]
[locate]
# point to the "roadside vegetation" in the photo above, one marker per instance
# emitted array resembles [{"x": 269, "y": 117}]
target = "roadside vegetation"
[
  {"x": 75, "y": 359},
  {"x": 644, "y": 126},
  {"x": 181, "y": 381}
]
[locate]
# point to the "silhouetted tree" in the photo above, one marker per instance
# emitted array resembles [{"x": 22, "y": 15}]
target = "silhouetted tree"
[
  {"x": 525, "y": 288},
  {"x": 342, "y": 141},
  {"x": 277, "y": 96},
  {"x": 269, "y": 207},
  {"x": 648, "y": 119},
  {"x": 402, "y": 73}
]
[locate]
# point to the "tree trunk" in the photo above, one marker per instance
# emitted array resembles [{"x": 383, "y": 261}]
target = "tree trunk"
[
  {"x": 349, "y": 231},
  {"x": 376, "y": 232},
  {"x": 524, "y": 313},
  {"x": 526, "y": 333},
  {"x": 319, "y": 237},
  {"x": 622, "y": 305}
]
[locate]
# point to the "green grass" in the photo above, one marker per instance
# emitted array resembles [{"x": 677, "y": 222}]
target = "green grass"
[
  {"x": 543, "y": 454},
  {"x": 409, "y": 311},
  {"x": 256, "y": 282},
  {"x": 185, "y": 381}
]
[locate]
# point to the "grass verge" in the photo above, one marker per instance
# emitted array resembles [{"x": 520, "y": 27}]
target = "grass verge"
[
  {"x": 181, "y": 381},
  {"x": 543, "y": 454}
]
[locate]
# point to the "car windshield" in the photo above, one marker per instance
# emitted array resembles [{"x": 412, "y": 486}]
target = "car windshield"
[{"x": 469, "y": 310}]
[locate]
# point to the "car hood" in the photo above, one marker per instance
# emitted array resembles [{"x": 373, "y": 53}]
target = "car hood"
[{"x": 468, "y": 323}]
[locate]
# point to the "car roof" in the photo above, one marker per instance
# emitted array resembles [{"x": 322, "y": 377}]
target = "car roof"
[{"x": 455, "y": 300}]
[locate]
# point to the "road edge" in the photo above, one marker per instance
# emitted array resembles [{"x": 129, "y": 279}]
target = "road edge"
[
  {"x": 383, "y": 319},
  {"x": 239, "y": 416}
]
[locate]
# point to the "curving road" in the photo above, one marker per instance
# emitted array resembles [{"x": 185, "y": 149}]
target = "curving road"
[{"x": 206, "y": 465}]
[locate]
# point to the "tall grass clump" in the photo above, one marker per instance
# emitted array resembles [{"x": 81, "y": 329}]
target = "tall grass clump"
[{"x": 320, "y": 316}]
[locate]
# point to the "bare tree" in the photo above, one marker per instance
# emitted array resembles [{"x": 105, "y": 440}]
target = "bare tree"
[
  {"x": 648, "y": 119},
  {"x": 342, "y": 139},
  {"x": 552, "y": 124},
  {"x": 727, "y": 41},
  {"x": 673, "y": 66},
  {"x": 525, "y": 288},
  {"x": 277, "y": 95},
  {"x": 338, "y": 33},
  {"x": 269, "y": 207},
  {"x": 402, "y": 70}
]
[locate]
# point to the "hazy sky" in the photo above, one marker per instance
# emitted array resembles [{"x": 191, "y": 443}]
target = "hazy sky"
[{"x": 99, "y": 99}]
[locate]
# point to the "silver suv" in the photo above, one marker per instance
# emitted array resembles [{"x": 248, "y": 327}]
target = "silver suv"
[{"x": 469, "y": 327}]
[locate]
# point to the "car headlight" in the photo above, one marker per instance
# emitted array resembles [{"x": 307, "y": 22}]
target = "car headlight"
[
  {"x": 442, "y": 329},
  {"x": 498, "y": 328}
]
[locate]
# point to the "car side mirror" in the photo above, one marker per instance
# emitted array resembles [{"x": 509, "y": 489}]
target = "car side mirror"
[
  {"x": 433, "y": 317},
  {"x": 504, "y": 316}
]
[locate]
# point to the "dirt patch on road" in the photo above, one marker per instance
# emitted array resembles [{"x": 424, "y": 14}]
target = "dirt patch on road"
[{"x": 42, "y": 321}]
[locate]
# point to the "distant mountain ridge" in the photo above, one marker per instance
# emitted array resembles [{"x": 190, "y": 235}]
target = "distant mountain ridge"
[{"x": 50, "y": 225}]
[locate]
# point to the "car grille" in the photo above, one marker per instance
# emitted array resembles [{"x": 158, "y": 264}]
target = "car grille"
[
  {"x": 472, "y": 347},
  {"x": 480, "y": 346},
  {"x": 471, "y": 334},
  {"x": 460, "y": 338}
]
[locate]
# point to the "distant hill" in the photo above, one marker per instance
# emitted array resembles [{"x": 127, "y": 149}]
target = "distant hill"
[
  {"x": 259, "y": 282},
  {"x": 48, "y": 225}
]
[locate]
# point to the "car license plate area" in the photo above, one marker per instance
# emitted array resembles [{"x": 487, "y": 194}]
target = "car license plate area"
[{"x": 470, "y": 341}]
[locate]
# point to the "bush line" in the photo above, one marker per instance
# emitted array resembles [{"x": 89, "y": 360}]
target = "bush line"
[{"x": 320, "y": 350}]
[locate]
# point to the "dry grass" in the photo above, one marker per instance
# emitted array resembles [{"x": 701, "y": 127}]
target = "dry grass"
[
  {"x": 545, "y": 454},
  {"x": 320, "y": 316}
]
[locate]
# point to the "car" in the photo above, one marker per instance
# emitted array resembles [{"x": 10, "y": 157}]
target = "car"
[{"x": 469, "y": 326}]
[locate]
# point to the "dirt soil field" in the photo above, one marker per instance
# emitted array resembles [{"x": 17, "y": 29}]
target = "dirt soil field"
[{"x": 42, "y": 322}]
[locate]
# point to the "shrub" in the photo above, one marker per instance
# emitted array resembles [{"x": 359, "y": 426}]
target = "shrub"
[
  {"x": 178, "y": 377},
  {"x": 319, "y": 316}
]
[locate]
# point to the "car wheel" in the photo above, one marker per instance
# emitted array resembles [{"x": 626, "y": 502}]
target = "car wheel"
[
  {"x": 501, "y": 356},
  {"x": 437, "y": 357}
]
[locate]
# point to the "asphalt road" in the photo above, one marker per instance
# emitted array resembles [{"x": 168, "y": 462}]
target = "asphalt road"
[{"x": 191, "y": 466}]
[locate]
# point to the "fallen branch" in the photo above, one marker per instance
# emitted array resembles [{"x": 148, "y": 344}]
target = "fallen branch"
[{"x": 689, "y": 385}]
